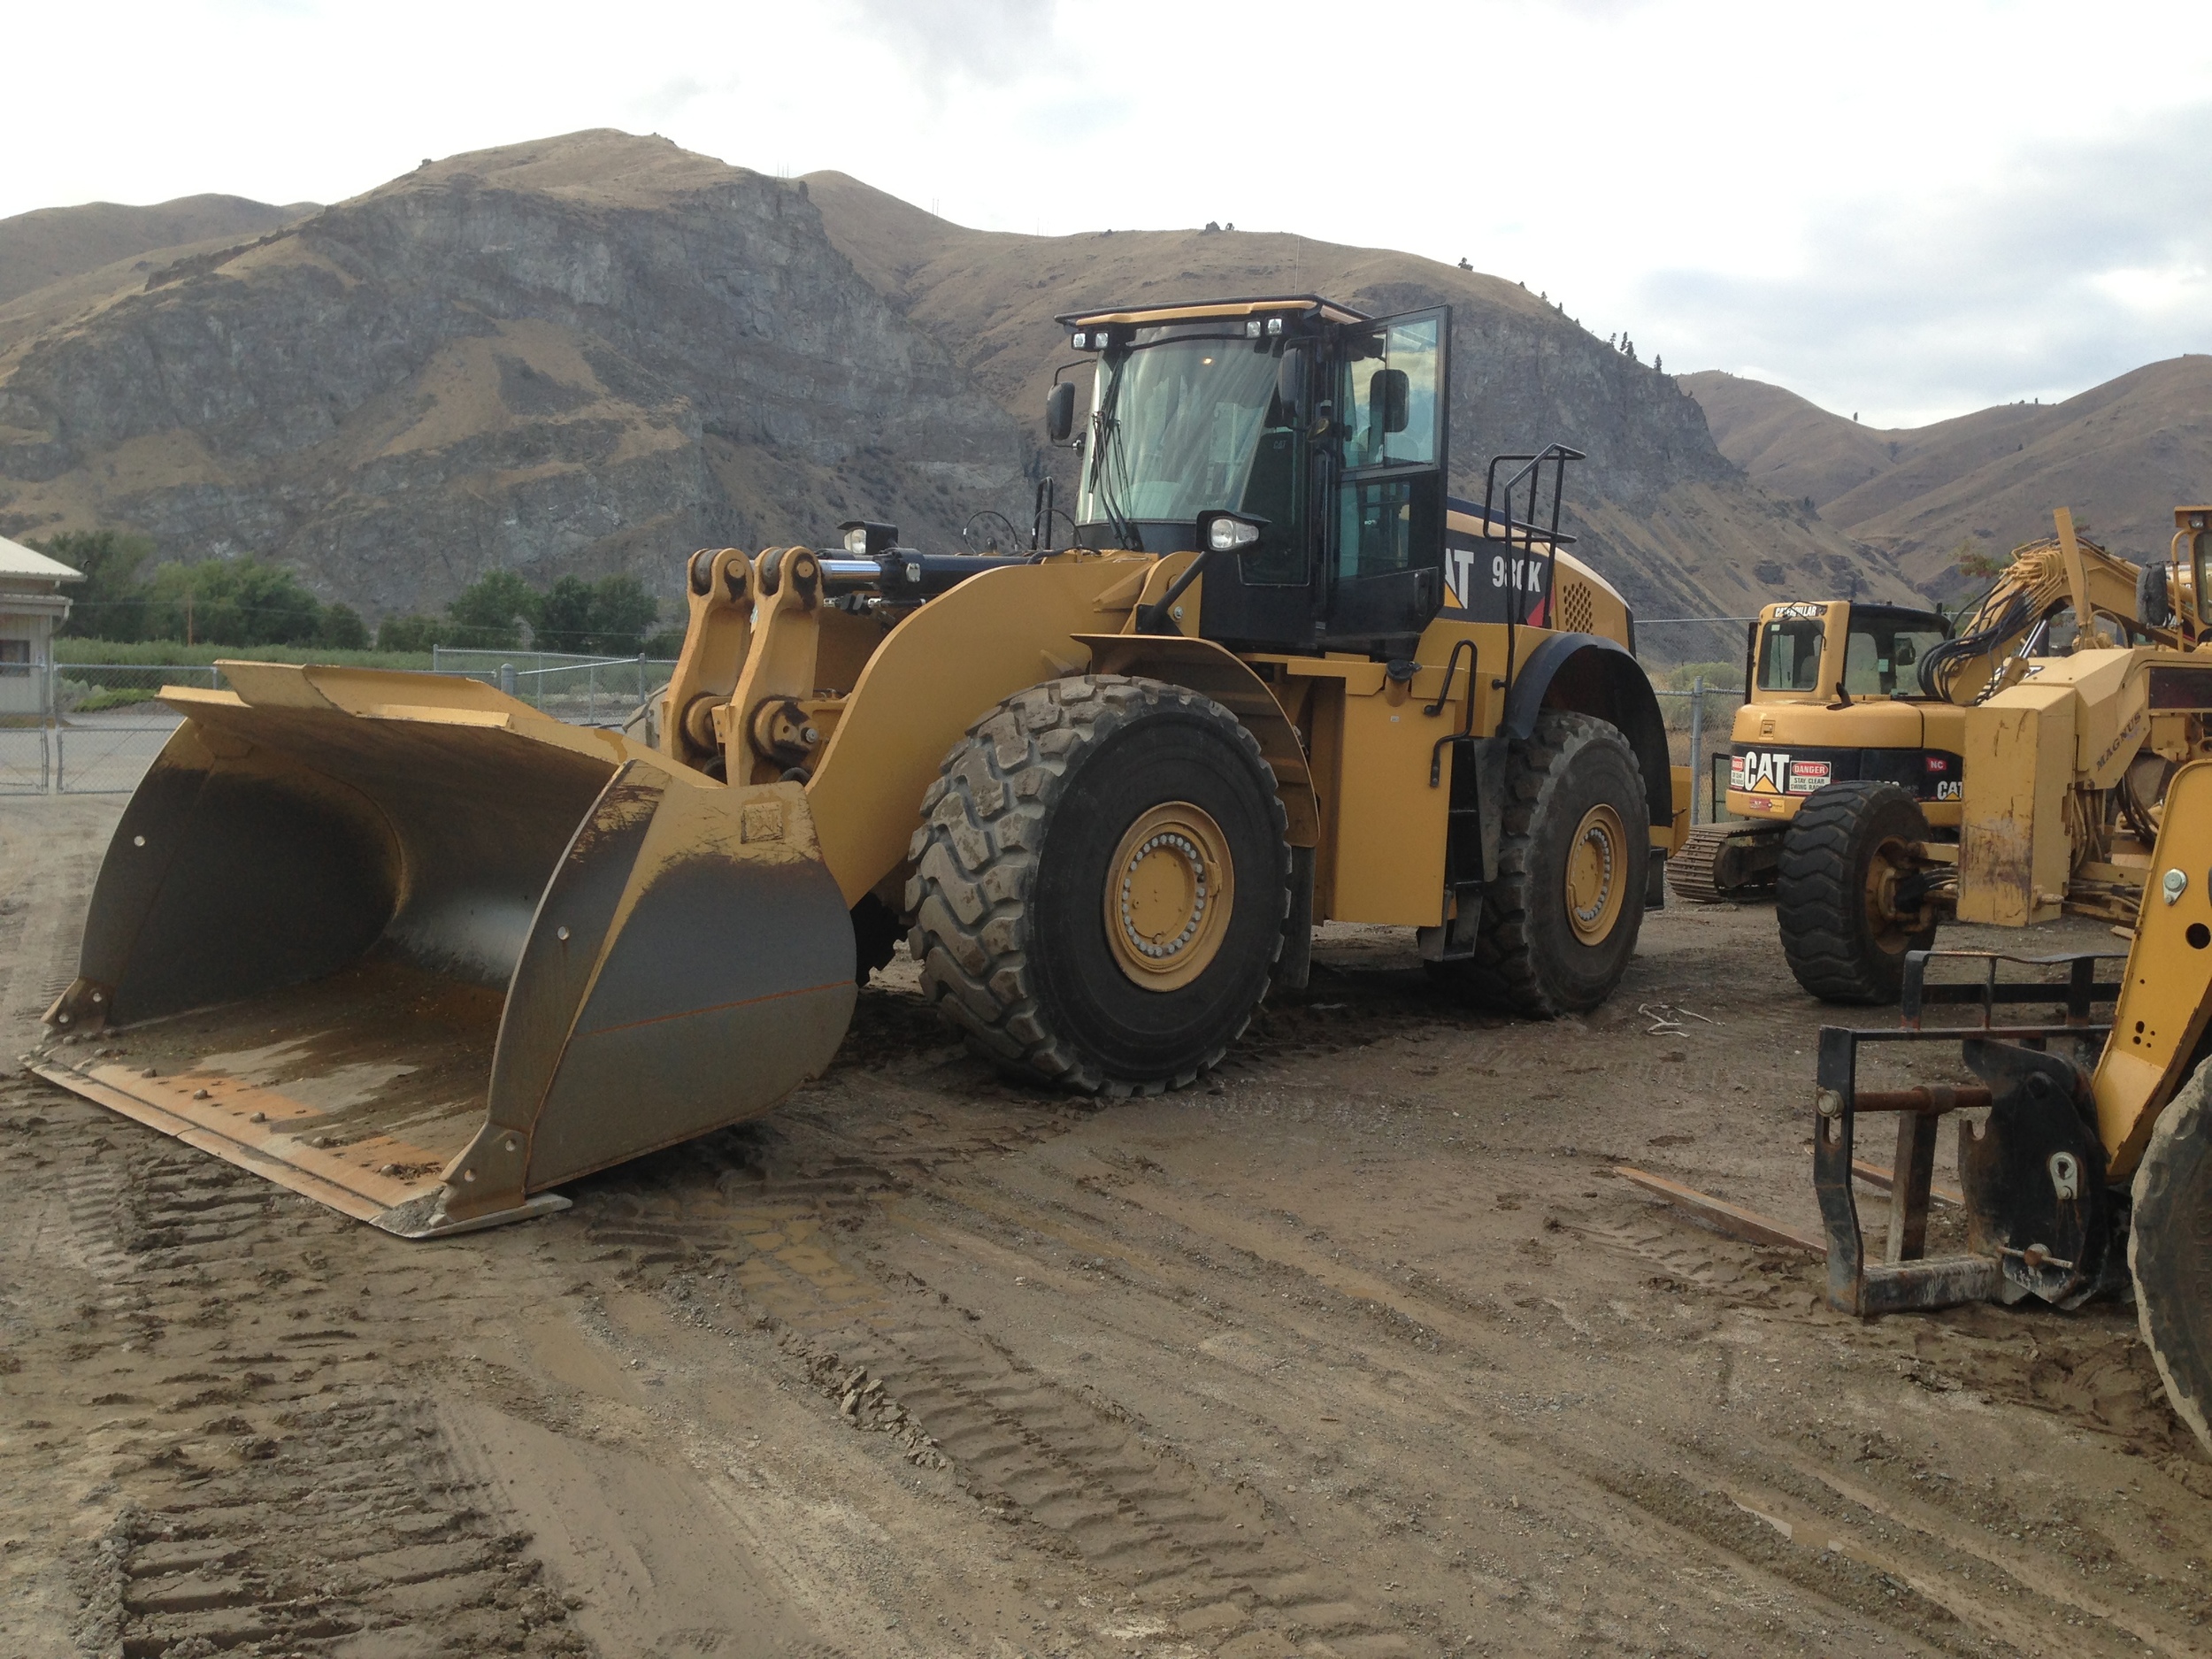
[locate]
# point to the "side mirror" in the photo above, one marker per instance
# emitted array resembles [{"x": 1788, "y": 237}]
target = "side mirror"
[
  {"x": 1290, "y": 384},
  {"x": 2154, "y": 605},
  {"x": 1388, "y": 404},
  {"x": 1224, "y": 531},
  {"x": 1060, "y": 411}
]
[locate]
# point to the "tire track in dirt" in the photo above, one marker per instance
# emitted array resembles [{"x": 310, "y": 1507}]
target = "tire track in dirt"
[
  {"x": 268, "y": 1478},
  {"x": 781, "y": 1208}
]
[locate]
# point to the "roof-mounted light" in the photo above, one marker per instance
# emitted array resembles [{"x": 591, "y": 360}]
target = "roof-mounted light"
[{"x": 1274, "y": 326}]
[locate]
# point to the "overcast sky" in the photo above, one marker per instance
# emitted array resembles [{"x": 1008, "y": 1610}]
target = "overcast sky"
[{"x": 1904, "y": 209}]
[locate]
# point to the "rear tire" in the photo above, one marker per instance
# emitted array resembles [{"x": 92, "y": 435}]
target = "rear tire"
[
  {"x": 1576, "y": 823},
  {"x": 2170, "y": 1251},
  {"x": 1102, "y": 882},
  {"x": 1841, "y": 944}
]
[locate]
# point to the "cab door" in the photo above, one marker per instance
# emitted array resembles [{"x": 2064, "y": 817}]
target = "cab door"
[{"x": 1382, "y": 483}]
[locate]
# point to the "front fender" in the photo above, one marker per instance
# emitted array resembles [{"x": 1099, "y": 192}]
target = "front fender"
[{"x": 1206, "y": 668}]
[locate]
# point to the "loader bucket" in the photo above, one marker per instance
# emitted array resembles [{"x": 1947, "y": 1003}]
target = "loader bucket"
[{"x": 408, "y": 947}]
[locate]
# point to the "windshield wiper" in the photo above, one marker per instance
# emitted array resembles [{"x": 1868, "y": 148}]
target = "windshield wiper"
[{"x": 1103, "y": 431}]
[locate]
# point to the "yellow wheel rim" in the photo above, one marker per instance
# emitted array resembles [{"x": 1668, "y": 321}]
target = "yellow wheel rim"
[
  {"x": 1598, "y": 872},
  {"x": 1168, "y": 896},
  {"x": 1892, "y": 929}
]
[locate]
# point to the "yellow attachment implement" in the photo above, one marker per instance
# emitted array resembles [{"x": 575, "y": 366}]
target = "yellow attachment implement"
[{"x": 421, "y": 953}]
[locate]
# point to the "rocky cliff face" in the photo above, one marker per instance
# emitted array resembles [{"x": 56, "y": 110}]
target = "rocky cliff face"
[{"x": 589, "y": 354}]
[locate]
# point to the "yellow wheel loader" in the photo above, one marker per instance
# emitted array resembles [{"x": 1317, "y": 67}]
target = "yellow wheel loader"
[
  {"x": 1895, "y": 775},
  {"x": 404, "y": 945},
  {"x": 2083, "y": 1151},
  {"x": 2089, "y": 1174}
]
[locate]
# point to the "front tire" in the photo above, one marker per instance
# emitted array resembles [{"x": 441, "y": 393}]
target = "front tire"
[
  {"x": 2170, "y": 1251},
  {"x": 1103, "y": 884},
  {"x": 1559, "y": 924},
  {"x": 1842, "y": 859}
]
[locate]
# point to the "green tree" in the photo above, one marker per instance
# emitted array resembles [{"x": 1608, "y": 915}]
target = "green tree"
[
  {"x": 342, "y": 629},
  {"x": 564, "y": 617},
  {"x": 110, "y": 603},
  {"x": 491, "y": 613},
  {"x": 1969, "y": 560},
  {"x": 232, "y": 601},
  {"x": 609, "y": 617},
  {"x": 622, "y": 613}
]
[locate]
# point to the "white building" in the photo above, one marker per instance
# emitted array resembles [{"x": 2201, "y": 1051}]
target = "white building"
[{"x": 32, "y": 606}]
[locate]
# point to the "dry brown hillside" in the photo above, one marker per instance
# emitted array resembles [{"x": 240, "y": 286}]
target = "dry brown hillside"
[
  {"x": 1659, "y": 508},
  {"x": 2121, "y": 454},
  {"x": 587, "y": 353},
  {"x": 597, "y": 351},
  {"x": 54, "y": 243}
]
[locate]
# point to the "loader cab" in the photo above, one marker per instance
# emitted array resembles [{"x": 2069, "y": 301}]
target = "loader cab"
[{"x": 1326, "y": 426}]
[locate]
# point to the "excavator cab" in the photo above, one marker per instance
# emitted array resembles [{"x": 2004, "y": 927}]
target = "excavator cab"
[{"x": 1829, "y": 652}]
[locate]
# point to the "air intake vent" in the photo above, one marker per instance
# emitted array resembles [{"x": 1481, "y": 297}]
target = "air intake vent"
[{"x": 1576, "y": 610}]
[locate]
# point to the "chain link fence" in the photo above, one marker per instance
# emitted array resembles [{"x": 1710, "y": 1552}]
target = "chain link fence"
[
  {"x": 27, "y": 760},
  {"x": 581, "y": 690},
  {"x": 1700, "y": 719},
  {"x": 103, "y": 723}
]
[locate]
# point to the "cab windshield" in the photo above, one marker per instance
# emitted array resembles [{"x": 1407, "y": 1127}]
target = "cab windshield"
[
  {"x": 1178, "y": 422},
  {"x": 1881, "y": 655},
  {"x": 1885, "y": 647}
]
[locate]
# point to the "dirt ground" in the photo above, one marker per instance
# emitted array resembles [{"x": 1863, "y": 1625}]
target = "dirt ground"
[{"x": 1358, "y": 1349}]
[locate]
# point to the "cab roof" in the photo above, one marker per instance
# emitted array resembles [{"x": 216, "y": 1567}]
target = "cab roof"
[{"x": 1328, "y": 310}]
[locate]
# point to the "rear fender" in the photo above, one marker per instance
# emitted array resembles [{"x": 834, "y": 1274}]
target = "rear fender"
[{"x": 1584, "y": 674}]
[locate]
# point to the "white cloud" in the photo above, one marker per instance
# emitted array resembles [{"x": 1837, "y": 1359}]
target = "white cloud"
[{"x": 1906, "y": 209}]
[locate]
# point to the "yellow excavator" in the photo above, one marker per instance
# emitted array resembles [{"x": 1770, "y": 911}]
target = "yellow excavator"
[
  {"x": 1890, "y": 774},
  {"x": 403, "y": 944}
]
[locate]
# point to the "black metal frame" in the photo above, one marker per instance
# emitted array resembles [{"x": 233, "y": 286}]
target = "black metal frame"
[
  {"x": 1906, "y": 1277},
  {"x": 1523, "y": 534}
]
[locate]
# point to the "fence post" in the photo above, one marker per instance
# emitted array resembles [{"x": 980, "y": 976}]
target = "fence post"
[
  {"x": 507, "y": 678},
  {"x": 1697, "y": 744},
  {"x": 436, "y": 667}
]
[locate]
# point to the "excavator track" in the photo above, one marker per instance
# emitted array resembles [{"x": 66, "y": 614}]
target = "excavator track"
[{"x": 1722, "y": 863}]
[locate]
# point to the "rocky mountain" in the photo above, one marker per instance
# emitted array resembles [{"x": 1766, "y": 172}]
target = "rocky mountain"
[
  {"x": 593, "y": 353},
  {"x": 588, "y": 354},
  {"x": 1657, "y": 507},
  {"x": 2121, "y": 454}
]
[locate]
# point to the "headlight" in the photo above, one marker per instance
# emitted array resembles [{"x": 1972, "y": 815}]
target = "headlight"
[{"x": 1225, "y": 535}]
